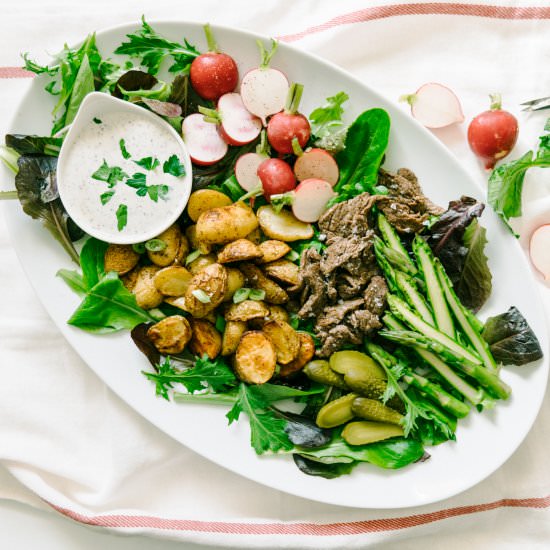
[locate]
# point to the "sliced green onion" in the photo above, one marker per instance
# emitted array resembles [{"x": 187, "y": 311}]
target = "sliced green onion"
[
  {"x": 201, "y": 296},
  {"x": 241, "y": 295},
  {"x": 292, "y": 256},
  {"x": 156, "y": 313},
  {"x": 192, "y": 256},
  {"x": 139, "y": 248},
  {"x": 220, "y": 323},
  {"x": 155, "y": 245},
  {"x": 256, "y": 294}
]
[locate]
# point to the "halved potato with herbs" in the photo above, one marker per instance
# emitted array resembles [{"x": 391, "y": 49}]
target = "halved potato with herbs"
[
  {"x": 121, "y": 258},
  {"x": 246, "y": 311},
  {"x": 273, "y": 250},
  {"x": 194, "y": 243},
  {"x": 171, "y": 239},
  {"x": 206, "y": 340},
  {"x": 284, "y": 272},
  {"x": 200, "y": 262},
  {"x": 305, "y": 355},
  {"x": 283, "y": 225},
  {"x": 205, "y": 199},
  {"x": 255, "y": 358},
  {"x": 170, "y": 335},
  {"x": 285, "y": 340},
  {"x": 235, "y": 280},
  {"x": 172, "y": 280},
  {"x": 225, "y": 224},
  {"x": 241, "y": 250},
  {"x": 232, "y": 335},
  {"x": 206, "y": 290},
  {"x": 274, "y": 294},
  {"x": 145, "y": 291}
]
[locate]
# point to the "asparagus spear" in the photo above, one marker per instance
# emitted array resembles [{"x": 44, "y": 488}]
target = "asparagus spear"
[
  {"x": 396, "y": 258},
  {"x": 413, "y": 297},
  {"x": 393, "y": 241},
  {"x": 385, "y": 266}
]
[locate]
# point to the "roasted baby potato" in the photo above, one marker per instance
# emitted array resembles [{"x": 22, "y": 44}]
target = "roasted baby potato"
[
  {"x": 225, "y": 224},
  {"x": 255, "y": 358},
  {"x": 282, "y": 225},
  {"x": 194, "y": 243},
  {"x": 284, "y": 272},
  {"x": 121, "y": 258},
  {"x": 172, "y": 238},
  {"x": 201, "y": 262},
  {"x": 206, "y": 340},
  {"x": 305, "y": 355},
  {"x": 278, "y": 313},
  {"x": 274, "y": 294},
  {"x": 241, "y": 250},
  {"x": 273, "y": 250},
  {"x": 246, "y": 310},
  {"x": 183, "y": 250},
  {"x": 172, "y": 280},
  {"x": 232, "y": 335},
  {"x": 170, "y": 335},
  {"x": 205, "y": 199},
  {"x": 235, "y": 280},
  {"x": 255, "y": 236},
  {"x": 145, "y": 291},
  {"x": 285, "y": 340},
  {"x": 130, "y": 278},
  {"x": 211, "y": 283}
]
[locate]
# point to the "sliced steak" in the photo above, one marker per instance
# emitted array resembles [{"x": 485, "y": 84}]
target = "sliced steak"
[{"x": 349, "y": 218}]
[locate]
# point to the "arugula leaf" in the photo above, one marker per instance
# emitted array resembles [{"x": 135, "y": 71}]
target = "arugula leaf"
[
  {"x": 149, "y": 163},
  {"x": 83, "y": 85},
  {"x": 151, "y": 49},
  {"x": 324, "y": 120},
  {"x": 123, "y": 150},
  {"x": 267, "y": 430},
  {"x": 122, "y": 216},
  {"x": 174, "y": 167},
  {"x": 74, "y": 281},
  {"x": 92, "y": 261},
  {"x": 109, "y": 174}
]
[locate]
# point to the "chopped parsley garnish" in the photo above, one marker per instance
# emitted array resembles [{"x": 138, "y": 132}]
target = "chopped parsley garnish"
[
  {"x": 149, "y": 163},
  {"x": 97, "y": 120},
  {"x": 106, "y": 197},
  {"x": 123, "y": 149},
  {"x": 109, "y": 174},
  {"x": 157, "y": 192},
  {"x": 122, "y": 216},
  {"x": 174, "y": 167}
]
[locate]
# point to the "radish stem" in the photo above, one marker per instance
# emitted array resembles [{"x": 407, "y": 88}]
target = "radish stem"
[
  {"x": 253, "y": 193},
  {"x": 293, "y": 98},
  {"x": 409, "y": 98},
  {"x": 296, "y": 149},
  {"x": 210, "y": 115},
  {"x": 210, "y": 40},
  {"x": 8, "y": 195},
  {"x": 266, "y": 55},
  {"x": 263, "y": 147},
  {"x": 496, "y": 102}
]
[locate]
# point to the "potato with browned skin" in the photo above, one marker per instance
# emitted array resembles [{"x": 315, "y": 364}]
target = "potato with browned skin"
[
  {"x": 235, "y": 280},
  {"x": 194, "y": 243},
  {"x": 170, "y": 335},
  {"x": 172, "y": 280},
  {"x": 206, "y": 340},
  {"x": 226, "y": 224},
  {"x": 205, "y": 199},
  {"x": 121, "y": 258},
  {"x": 283, "y": 225},
  {"x": 241, "y": 250},
  {"x": 255, "y": 358},
  {"x": 206, "y": 290},
  {"x": 305, "y": 355},
  {"x": 284, "y": 271},
  {"x": 246, "y": 311},
  {"x": 232, "y": 335},
  {"x": 273, "y": 250},
  {"x": 274, "y": 294},
  {"x": 171, "y": 237},
  {"x": 198, "y": 264},
  {"x": 145, "y": 291},
  {"x": 285, "y": 340}
]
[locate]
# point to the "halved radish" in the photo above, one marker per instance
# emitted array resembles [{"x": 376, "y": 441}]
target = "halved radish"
[
  {"x": 310, "y": 200},
  {"x": 435, "y": 105},
  {"x": 238, "y": 125},
  {"x": 539, "y": 250},
  {"x": 276, "y": 176},
  {"x": 264, "y": 89},
  {"x": 316, "y": 163},
  {"x": 203, "y": 140},
  {"x": 246, "y": 170}
]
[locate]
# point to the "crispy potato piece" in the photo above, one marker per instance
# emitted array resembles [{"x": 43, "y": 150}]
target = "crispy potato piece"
[
  {"x": 235, "y": 280},
  {"x": 255, "y": 236},
  {"x": 201, "y": 262},
  {"x": 172, "y": 280},
  {"x": 232, "y": 336},
  {"x": 147, "y": 295},
  {"x": 278, "y": 313},
  {"x": 226, "y": 224},
  {"x": 274, "y": 294},
  {"x": 212, "y": 281},
  {"x": 178, "y": 301},
  {"x": 183, "y": 251},
  {"x": 241, "y": 250},
  {"x": 206, "y": 339},
  {"x": 305, "y": 355},
  {"x": 130, "y": 278},
  {"x": 172, "y": 238},
  {"x": 285, "y": 340},
  {"x": 246, "y": 310},
  {"x": 121, "y": 258},
  {"x": 205, "y": 199},
  {"x": 170, "y": 335},
  {"x": 273, "y": 250},
  {"x": 282, "y": 225},
  {"x": 194, "y": 243},
  {"x": 284, "y": 272},
  {"x": 255, "y": 358}
]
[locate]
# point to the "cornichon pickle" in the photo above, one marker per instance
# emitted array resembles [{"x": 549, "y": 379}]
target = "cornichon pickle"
[
  {"x": 319, "y": 371},
  {"x": 336, "y": 412},
  {"x": 370, "y": 409},
  {"x": 363, "y": 432},
  {"x": 356, "y": 363},
  {"x": 372, "y": 388}
]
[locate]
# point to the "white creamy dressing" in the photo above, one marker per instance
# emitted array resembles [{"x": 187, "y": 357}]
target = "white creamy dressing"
[{"x": 97, "y": 142}]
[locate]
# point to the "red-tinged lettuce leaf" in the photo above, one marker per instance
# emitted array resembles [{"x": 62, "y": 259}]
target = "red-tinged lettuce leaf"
[
  {"x": 511, "y": 339},
  {"x": 320, "y": 469},
  {"x": 459, "y": 241},
  {"x": 144, "y": 343},
  {"x": 134, "y": 80}
]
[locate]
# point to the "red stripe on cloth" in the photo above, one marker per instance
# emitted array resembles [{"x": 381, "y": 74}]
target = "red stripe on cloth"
[
  {"x": 311, "y": 529},
  {"x": 431, "y": 8},
  {"x": 15, "y": 72}
]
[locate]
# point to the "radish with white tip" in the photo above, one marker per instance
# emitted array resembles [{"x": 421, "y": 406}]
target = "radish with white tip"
[
  {"x": 237, "y": 125},
  {"x": 203, "y": 140},
  {"x": 264, "y": 89},
  {"x": 539, "y": 250},
  {"x": 246, "y": 167},
  {"x": 316, "y": 163},
  {"x": 435, "y": 106}
]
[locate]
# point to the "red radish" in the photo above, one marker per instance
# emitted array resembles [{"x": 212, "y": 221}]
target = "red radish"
[
  {"x": 203, "y": 141},
  {"x": 276, "y": 176},
  {"x": 213, "y": 73},
  {"x": 311, "y": 197},
  {"x": 539, "y": 250},
  {"x": 316, "y": 163},
  {"x": 284, "y": 127},
  {"x": 493, "y": 133},
  {"x": 264, "y": 89},
  {"x": 435, "y": 106}
]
